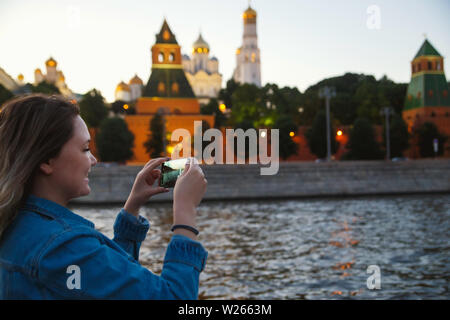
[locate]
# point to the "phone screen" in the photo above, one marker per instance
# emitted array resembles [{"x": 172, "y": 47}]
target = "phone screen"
[{"x": 170, "y": 170}]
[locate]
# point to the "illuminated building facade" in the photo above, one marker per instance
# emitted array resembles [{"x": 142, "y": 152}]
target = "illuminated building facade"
[
  {"x": 202, "y": 72},
  {"x": 248, "y": 63}
]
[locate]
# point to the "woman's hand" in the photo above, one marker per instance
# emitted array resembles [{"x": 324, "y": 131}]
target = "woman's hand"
[
  {"x": 187, "y": 194},
  {"x": 143, "y": 187}
]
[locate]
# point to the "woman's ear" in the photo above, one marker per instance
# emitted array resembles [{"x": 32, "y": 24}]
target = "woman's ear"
[{"x": 46, "y": 168}]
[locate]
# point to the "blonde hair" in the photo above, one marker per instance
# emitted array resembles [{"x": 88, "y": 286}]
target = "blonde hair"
[{"x": 33, "y": 129}]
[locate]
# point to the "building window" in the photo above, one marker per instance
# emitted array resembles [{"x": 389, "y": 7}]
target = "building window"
[
  {"x": 438, "y": 65},
  {"x": 161, "y": 88},
  {"x": 160, "y": 57},
  {"x": 175, "y": 88},
  {"x": 430, "y": 65},
  {"x": 447, "y": 114},
  {"x": 171, "y": 57},
  {"x": 433, "y": 114},
  {"x": 253, "y": 57},
  {"x": 419, "y": 67}
]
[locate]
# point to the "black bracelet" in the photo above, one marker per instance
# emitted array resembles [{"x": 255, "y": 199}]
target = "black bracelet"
[{"x": 183, "y": 226}]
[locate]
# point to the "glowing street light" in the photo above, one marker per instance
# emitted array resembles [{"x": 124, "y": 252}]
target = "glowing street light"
[
  {"x": 339, "y": 133},
  {"x": 222, "y": 107},
  {"x": 292, "y": 133},
  {"x": 125, "y": 106}
]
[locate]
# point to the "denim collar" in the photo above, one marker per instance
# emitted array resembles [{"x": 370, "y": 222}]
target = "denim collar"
[{"x": 55, "y": 210}]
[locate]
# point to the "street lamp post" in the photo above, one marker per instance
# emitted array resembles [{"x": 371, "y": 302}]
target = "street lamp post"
[
  {"x": 387, "y": 111},
  {"x": 328, "y": 93}
]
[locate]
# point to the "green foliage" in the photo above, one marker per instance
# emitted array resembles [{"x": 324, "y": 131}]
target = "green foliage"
[
  {"x": 357, "y": 95},
  {"x": 45, "y": 87},
  {"x": 5, "y": 94},
  {"x": 427, "y": 132},
  {"x": 362, "y": 144},
  {"x": 114, "y": 140},
  {"x": 213, "y": 108},
  {"x": 93, "y": 109},
  {"x": 286, "y": 143},
  {"x": 226, "y": 94},
  {"x": 248, "y": 104},
  {"x": 157, "y": 138},
  {"x": 317, "y": 137},
  {"x": 399, "y": 136}
]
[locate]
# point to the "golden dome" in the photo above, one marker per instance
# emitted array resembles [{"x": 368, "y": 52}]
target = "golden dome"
[
  {"x": 200, "y": 45},
  {"x": 122, "y": 86},
  {"x": 20, "y": 77},
  {"x": 38, "y": 71},
  {"x": 136, "y": 80},
  {"x": 51, "y": 62},
  {"x": 249, "y": 13}
]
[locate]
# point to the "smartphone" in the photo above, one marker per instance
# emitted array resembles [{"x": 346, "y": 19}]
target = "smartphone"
[{"x": 170, "y": 170}]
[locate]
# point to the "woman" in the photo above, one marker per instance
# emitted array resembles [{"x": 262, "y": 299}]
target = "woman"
[{"x": 49, "y": 252}]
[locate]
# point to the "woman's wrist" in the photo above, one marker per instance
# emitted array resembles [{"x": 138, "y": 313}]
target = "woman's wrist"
[
  {"x": 185, "y": 215},
  {"x": 131, "y": 207}
]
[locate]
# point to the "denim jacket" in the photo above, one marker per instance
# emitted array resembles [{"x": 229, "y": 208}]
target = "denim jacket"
[{"x": 49, "y": 252}]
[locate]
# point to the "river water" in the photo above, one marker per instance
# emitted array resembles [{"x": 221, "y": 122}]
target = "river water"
[{"x": 310, "y": 249}]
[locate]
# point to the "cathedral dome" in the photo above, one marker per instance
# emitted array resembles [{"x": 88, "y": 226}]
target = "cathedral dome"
[
  {"x": 38, "y": 71},
  {"x": 200, "y": 45},
  {"x": 136, "y": 80},
  {"x": 249, "y": 13},
  {"x": 122, "y": 86},
  {"x": 51, "y": 62}
]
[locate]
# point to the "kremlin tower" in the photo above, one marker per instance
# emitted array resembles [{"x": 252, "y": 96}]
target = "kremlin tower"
[
  {"x": 248, "y": 64},
  {"x": 427, "y": 97},
  {"x": 167, "y": 92}
]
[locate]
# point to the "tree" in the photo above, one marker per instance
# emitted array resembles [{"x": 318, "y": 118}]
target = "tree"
[
  {"x": 213, "y": 108},
  {"x": 427, "y": 132},
  {"x": 5, "y": 94},
  {"x": 114, "y": 141},
  {"x": 93, "y": 108},
  {"x": 287, "y": 146},
  {"x": 156, "y": 139},
  {"x": 399, "y": 136},
  {"x": 362, "y": 144},
  {"x": 248, "y": 104},
  {"x": 317, "y": 137},
  {"x": 226, "y": 94},
  {"x": 45, "y": 87}
]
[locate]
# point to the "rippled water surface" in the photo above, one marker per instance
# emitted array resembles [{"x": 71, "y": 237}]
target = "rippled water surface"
[{"x": 310, "y": 249}]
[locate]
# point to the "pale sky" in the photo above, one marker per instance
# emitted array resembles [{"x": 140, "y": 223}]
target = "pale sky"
[{"x": 99, "y": 43}]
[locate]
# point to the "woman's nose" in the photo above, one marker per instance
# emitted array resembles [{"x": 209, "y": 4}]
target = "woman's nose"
[{"x": 93, "y": 161}]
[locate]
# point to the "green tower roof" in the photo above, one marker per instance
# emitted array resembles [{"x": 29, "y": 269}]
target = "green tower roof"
[
  {"x": 166, "y": 35},
  {"x": 427, "y": 50},
  {"x": 168, "y": 77}
]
